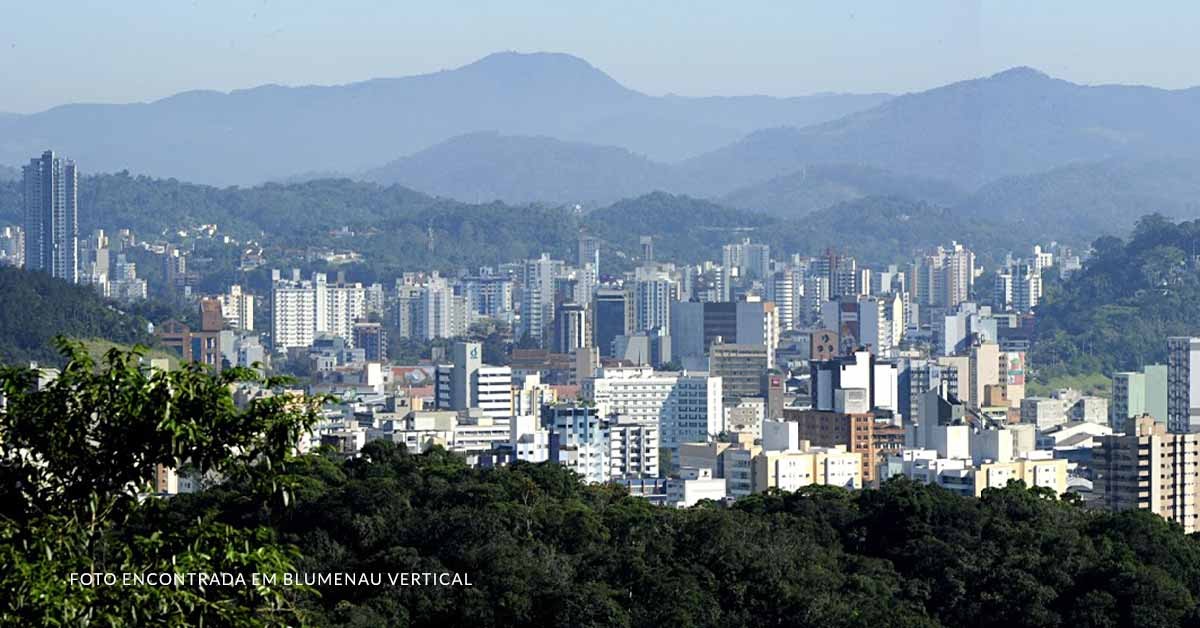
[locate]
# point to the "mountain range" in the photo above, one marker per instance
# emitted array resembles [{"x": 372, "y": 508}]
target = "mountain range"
[
  {"x": 274, "y": 132},
  {"x": 940, "y": 146},
  {"x": 1071, "y": 160}
]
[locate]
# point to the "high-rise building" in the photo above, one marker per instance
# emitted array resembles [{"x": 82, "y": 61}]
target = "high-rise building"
[
  {"x": 571, "y": 328},
  {"x": 371, "y": 338},
  {"x": 945, "y": 277},
  {"x": 608, "y": 318},
  {"x": 469, "y": 383},
  {"x": 303, "y": 309},
  {"x": 740, "y": 368},
  {"x": 589, "y": 251},
  {"x": 1183, "y": 384},
  {"x": 686, "y": 406},
  {"x": 1149, "y": 469},
  {"x": 784, "y": 290},
  {"x": 237, "y": 307},
  {"x": 859, "y": 432},
  {"x": 51, "y": 203},
  {"x": 878, "y": 381},
  {"x": 578, "y": 439},
  {"x": 647, "y": 249},
  {"x": 649, "y": 298},
  {"x": 742, "y": 263},
  {"x": 537, "y": 298},
  {"x": 1139, "y": 393},
  {"x": 633, "y": 449},
  {"x": 12, "y": 246}
]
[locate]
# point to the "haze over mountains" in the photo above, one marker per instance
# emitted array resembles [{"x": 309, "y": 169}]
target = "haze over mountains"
[
  {"x": 270, "y": 132},
  {"x": 552, "y": 129}
]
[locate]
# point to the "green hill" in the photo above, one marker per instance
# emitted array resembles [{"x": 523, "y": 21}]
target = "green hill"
[
  {"x": 36, "y": 308},
  {"x": 1117, "y": 312}
]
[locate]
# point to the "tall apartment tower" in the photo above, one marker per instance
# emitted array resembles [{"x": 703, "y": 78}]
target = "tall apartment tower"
[
  {"x": 51, "y": 202},
  {"x": 1183, "y": 384},
  {"x": 1149, "y": 469},
  {"x": 537, "y": 298}
]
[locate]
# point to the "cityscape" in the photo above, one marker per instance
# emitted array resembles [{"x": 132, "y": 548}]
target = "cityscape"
[{"x": 627, "y": 360}]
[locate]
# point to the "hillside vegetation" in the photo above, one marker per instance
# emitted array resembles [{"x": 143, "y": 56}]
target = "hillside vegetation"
[
  {"x": 36, "y": 308},
  {"x": 1117, "y": 312}
]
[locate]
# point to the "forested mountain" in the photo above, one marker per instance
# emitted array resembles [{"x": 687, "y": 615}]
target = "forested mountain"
[
  {"x": 1117, "y": 312},
  {"x": 398, "y": 229},
  {"x": 487, "y": 166},
  {"x": 1031, "y": 142},
  {"x": 969, "y": 133},
  {"x": 270, "y": 132},
  {"x": 818, "y": 186},
  {"x": 876, "y": 229},
  {"x": 543, "y": 549},
  {"x": 9, "y": 174},
  {"x": 1093, "y": 199},
  {"x": 35, "y": 308}
]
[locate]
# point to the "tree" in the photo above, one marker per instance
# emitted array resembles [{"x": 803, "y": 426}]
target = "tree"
[{"x": 78, "y": 460}]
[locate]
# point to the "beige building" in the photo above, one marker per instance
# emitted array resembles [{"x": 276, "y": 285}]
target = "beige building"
[
  {"x": 805, "y": 466},
  {"x": 1149, "y": 469},
  {"x": 1046, "y": 473}
]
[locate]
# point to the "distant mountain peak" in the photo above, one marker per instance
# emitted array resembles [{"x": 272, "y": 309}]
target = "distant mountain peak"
[
  {"x": 1020, "y": 73},
  {"x": 539, "y": 62}
]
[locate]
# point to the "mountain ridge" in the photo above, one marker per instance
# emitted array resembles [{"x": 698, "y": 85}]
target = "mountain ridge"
[{"x": 220, "y": 138}]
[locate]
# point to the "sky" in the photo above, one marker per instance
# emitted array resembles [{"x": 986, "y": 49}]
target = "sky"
[{"x": 55, "y": 53}]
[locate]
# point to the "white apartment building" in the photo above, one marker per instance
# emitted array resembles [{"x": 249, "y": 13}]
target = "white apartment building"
[
  {"x": 237, "y": 307},
  {"x": 686, "y": 406},
  {"x": 633, "y": 449},
  {"x": 303, "y": 309},
  {"x": 578, "y": 440},
  {"x": 537, "y": 297}
]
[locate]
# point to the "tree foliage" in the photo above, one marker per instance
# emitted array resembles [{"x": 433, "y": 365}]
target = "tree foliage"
[
  {"x": 78, "y": 462},
  {"x": 543, "y": 549},
  {"x": 1117, "y": 312}
]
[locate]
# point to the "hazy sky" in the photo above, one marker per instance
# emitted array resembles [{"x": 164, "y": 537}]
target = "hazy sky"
[{"x": 135, "y": 50}]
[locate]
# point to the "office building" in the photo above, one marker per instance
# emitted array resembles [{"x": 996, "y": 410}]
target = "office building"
[
  {"x": 572, "y": 329},
  {"x": 879, "y": 381},
  {"x": 467, "y": 383},
  {"x": 371, "y": 338},
  {"x": 740, "y": 367},
  {"x": 608, "y": 316}
]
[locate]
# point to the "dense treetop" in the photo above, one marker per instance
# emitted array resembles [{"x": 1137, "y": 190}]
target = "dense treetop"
[{"x": 543, "y": 549}]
